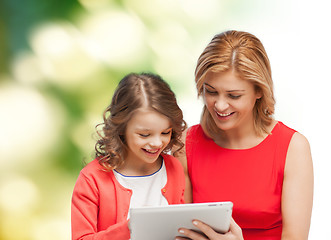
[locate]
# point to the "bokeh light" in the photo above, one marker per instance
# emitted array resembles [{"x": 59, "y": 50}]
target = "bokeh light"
[
  {"x": 29, "y": 125},
  {"x": 62, "y": 54}
]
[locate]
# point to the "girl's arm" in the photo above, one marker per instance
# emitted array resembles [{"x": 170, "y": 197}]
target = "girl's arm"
[
  {"x": 84, "y": 215},
  {"x": 297, "y": 195}
]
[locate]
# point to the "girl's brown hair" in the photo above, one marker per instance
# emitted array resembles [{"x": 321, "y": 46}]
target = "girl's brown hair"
[
  {"x": 133, "y": 92},
  {"x": 244, "y": 54}
]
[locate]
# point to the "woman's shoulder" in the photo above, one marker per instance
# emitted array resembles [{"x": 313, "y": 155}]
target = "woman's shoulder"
[
  {"x": 298, "y": 155},
  {"x": 298, "y": 141},
  {"x": 282, "y": 130},
  {"x": 284, "y": 126},
  {"x": 194, "y": 131}
]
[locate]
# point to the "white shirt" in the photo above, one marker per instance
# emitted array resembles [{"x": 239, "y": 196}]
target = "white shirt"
[{"x": 146, "y": 190}]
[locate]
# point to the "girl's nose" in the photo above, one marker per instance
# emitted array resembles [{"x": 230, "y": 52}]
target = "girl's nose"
[{"x": 155, "y": 142}]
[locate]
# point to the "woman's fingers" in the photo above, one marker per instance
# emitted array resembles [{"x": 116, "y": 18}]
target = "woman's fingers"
[
  {"x": 190, "y": 234},
  {"x": 208, "y": 232},
  {"x": 206, "y": 229},
  {"x": 235, "y": 229}
]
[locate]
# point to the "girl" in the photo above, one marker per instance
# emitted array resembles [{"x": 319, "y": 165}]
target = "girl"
[{"x": 132, "y": 167}]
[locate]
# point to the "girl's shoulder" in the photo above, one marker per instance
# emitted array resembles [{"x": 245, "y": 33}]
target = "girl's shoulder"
[
  {"x": 171, "y": 162},
  {"x": 93, "y": 168}
]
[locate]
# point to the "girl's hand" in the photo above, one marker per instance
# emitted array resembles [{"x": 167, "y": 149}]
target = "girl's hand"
[{"x": 234, "y": 232}]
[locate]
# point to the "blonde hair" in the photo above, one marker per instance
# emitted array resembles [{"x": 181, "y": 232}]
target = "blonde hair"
[{"x": 244, "y": 54}]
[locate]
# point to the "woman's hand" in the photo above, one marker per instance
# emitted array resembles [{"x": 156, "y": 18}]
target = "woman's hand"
[{"x": 234, "y": 232}]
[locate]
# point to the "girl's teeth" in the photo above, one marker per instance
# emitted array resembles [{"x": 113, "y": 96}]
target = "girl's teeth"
[{"x": 151, "y": 151}]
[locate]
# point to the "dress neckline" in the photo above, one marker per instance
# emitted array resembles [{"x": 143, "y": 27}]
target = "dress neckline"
[{"x": 266, "y": 139}]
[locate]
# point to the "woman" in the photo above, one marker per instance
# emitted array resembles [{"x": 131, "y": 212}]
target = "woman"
[{"x": 240, "y": 153}]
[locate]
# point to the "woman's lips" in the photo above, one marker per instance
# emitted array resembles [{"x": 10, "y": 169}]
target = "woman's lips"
[{"x": 224, "y": 115}]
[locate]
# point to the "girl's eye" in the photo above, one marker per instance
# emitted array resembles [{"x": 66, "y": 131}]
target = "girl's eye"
[
  {"x": 166, "y": 133},
  {"x": 234, "y": 96}
]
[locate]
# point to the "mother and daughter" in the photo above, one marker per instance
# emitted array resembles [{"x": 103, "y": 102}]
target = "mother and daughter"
[{"x": 237, "y": 153}]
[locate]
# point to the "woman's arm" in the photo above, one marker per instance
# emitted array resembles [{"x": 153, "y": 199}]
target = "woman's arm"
[
  {"x": 297, "y": 195},
  {"x": 234, "y": 233},
  {"x": 181, "y": 156}
]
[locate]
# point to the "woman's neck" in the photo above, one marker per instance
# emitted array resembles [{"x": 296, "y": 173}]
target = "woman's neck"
[{"x": 241, "y": 138}]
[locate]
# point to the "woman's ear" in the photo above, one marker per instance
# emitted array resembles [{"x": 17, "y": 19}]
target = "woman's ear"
[{"x": 258, "y": 93}]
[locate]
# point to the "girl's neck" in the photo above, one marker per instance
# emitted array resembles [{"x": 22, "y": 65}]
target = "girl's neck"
[{"x": 132, "y": 168}]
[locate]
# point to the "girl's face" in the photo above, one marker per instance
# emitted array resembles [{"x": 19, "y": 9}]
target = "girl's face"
[
  {"x": 230, "y": 100},
  {"x": 147, "y": 134}
]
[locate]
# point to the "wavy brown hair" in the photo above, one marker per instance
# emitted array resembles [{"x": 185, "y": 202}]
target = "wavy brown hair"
[
  {"x": 133, "y": 92},
  {"x": 244, "y": 54}
]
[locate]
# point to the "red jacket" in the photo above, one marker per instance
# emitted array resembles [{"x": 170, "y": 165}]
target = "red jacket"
[{"x": 100, "y": 205}]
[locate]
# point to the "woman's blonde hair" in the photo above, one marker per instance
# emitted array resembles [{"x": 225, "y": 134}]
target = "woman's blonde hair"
[{"x": 244, "y": 54}]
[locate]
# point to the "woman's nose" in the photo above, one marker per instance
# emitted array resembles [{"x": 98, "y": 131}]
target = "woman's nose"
[{"x": 221, "y": 104}]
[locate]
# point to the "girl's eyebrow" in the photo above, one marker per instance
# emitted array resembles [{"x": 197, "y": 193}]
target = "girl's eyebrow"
[{"x": 147, "y": 129}]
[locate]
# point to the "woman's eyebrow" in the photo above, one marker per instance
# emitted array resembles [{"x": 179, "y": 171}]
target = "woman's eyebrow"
[
  {"x": 235, "y": 91},
  {"x": 209, "y": 85}
]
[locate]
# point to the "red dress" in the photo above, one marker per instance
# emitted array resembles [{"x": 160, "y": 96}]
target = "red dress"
[{"x": 251, "y": 178}]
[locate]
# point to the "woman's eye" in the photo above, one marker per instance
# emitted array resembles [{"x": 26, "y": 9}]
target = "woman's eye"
[
  {"x": 210, "y": 91},
  {"x": 234, "y": 96}
]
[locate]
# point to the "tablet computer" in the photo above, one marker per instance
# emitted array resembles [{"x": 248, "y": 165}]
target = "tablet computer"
[{"x": 163, "y": 222}]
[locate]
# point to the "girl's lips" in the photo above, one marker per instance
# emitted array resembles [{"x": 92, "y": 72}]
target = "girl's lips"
[{"x": 151, "y": 151}]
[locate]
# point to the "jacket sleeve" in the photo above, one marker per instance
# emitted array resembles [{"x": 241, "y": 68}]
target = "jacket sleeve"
[{"x": 84, "y": 214}]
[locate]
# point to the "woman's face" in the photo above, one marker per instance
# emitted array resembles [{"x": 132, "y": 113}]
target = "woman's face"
[{"x": 230, "y": 100}]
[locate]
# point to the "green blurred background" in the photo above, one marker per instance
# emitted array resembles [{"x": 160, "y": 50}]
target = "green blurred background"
[{"x": 60, "y": 61}]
